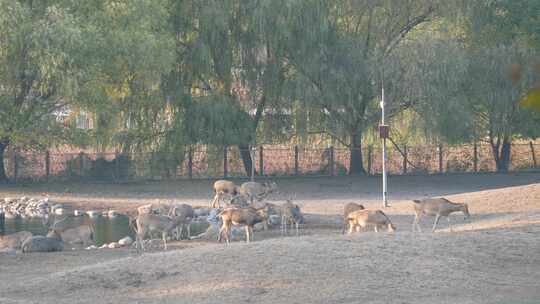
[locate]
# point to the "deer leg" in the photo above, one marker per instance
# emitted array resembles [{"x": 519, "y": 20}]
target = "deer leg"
[
  {"x": 164, "y": 236},
  {"x": 418, "y": 222},
  {"x": 227, "y": 234},
  {"x": 351, "y": 227},
  {"x": 221, "y": 230},
  {"x": 415, "y": 222},
  {"x": 189, "y": 230},
  {"x": 449, "y": 223},
  {"x": 247, "y": 233},
  {"x": 296, "y": 228},
  {"x": 180, "y": 231},
  {"x": 437, "y": 218},
  {"x": 377, "y": 228}
]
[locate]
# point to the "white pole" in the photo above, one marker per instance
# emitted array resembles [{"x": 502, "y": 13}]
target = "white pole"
[
  {"x": 385, "y": 189},
  {"x": 252, "y": 154}
]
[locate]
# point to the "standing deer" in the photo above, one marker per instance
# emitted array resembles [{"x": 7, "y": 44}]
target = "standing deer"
[
  {"x": 183, "y": 214},
  {"x": 254, "y": 190},
  {"x": 222, "y": 187},
  {"x": 349, "y": 207},
  {"x": 247, "y": 217},
  {"x": 366, "y": 218},
  {"x": 148, "y": 222},
  {"x": 290, "y": 214},
  {"x": 437, "y": 207}
]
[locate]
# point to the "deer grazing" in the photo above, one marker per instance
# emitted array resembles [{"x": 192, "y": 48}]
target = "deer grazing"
[
  {"x": 147, "y": 222},
  {"x": 247, "y": 217},
  {"x": 437, "y": 207},
  {"x": 52, "y": 242},
  {"x": 349, "y": 207},
  {"x": 366, "y": 218},
  {"x": 290, "y": 214},
  {"x": 254, "y": 190},
  {"x": 222, "y": 187}
]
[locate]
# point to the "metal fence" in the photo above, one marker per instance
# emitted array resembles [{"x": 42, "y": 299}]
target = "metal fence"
[{"x": 269, "y": 160}]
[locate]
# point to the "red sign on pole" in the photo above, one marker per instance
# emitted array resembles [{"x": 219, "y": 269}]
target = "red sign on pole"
[{"x": 384, "y": 131}]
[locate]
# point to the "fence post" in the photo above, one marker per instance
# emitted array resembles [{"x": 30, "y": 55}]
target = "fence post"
[
  {"x": 475, "y": 156},
  {"x": 47, "y": 164},
  {"x": 405, "y": 159},
  {"x": 369, "y": 159},
  {"x": 331, "y": 161},
  {"x": 15, "y": 166},
  {"x": 533, "y": 155},
  {"x": 296, "y": 160},
  {"x": 440, "y": 158},
  {"x": 81, "y": 164},
  {"x": 190, "y": 163},
  {"x": 261, "y": 161},
  {"x": 225, "y": 162}
]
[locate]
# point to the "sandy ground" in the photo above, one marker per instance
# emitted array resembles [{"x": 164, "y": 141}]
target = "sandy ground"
[{"x": 492, "y": 258}]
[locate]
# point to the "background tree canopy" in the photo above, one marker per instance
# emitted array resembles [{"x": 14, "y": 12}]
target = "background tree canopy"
[{"x": 159, "y": 75}]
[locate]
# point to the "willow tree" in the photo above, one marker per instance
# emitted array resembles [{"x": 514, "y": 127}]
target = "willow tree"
[
  {"x": 228, "y": 59},
  {"x": 469, "y": 82},
  {"x": 132, "y": 48},
  {"x": 39, "y": 70},
  {"x": 338, "y": 51}
]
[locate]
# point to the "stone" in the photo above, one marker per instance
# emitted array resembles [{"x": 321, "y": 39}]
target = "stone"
[
  {"x": 114, "y": 245},
  {"x": 126, "y": 241}
]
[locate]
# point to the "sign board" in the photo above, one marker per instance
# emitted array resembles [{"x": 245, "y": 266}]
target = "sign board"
[{"x": 384, "y": 131}]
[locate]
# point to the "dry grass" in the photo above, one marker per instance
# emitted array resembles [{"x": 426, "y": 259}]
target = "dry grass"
[{"x": 493, "y": 258}]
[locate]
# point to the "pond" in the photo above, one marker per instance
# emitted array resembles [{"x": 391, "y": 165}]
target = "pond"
[{"x": 106, "y": 230}]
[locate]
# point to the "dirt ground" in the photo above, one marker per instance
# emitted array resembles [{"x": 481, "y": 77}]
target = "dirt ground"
[{"x": 494, "y": 257}]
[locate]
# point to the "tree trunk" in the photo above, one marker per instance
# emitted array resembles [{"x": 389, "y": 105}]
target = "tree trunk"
[
  {"x": 501, "y": 154},
  {"x": 246, "y": 159},
  {"x": 357, "y": 166},
  {"x": 3, "y": 146}
]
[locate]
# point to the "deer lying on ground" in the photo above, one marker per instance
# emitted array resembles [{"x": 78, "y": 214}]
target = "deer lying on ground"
[
  {"x": 436, "y": 207},
  {"x": 222, "y": 187},
  {"x": 290, "y": 214},
  {"x": 247, "y": 217},
  {"x": 52, "y": 242},
  {"x": 15, "y": 240},
  {"x": 254, "y": 190},
  {"x": 348, "y": 208},
  {"x": 366, "y": 218},
  {"x": 147, "y": 223},
  {"x": 183, "y": 214}
]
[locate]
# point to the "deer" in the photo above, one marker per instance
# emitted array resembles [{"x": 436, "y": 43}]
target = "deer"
[
  {"x": 15, "y": 240},
  {"x": 290, "y": 214},
  {"x": 83, "y": 234},
  {"x": 49, "y": 243},
  {"x": 364, "y": 218},
  {"x": 222, "y": 187},
  {"x": 247, "y": 217},
  {"x": 348, "y": 208},
  {"x": 183, "y": 213},
  {"x": 148, "y": 222},
  {"x": 254, "y": 190},
  {"x": 437, "y": 207}
]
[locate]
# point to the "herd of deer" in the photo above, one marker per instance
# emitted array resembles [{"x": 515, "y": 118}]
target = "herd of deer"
[{"x": 240, "y": 206}]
